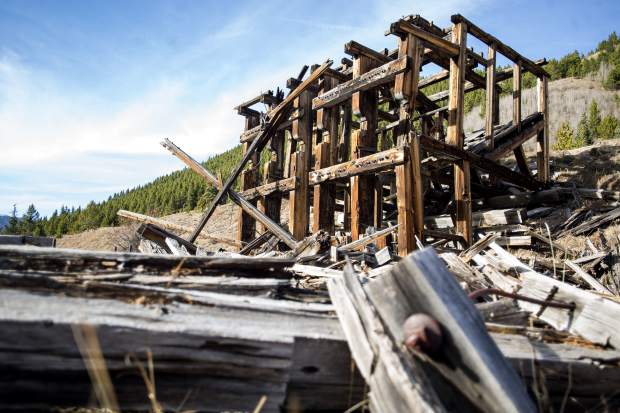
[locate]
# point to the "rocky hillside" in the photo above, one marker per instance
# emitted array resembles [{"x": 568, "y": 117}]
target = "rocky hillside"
[{"x": 568, "y": 99}]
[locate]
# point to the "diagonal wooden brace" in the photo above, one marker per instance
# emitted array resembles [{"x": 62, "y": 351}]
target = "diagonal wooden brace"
[{"x": 247, "y": 206}]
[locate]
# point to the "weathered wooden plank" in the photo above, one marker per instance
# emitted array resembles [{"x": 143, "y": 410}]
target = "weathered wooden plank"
[
  {"x": 75, "y": 262},
  {"x": 496, "y": 217},
  {"x": 594, "y": 317},
  {"x": 591, "y": 281},
  {"x": 230, "y": 357},
  {"x": 366, "y": 81},
  {"x": 420, "y": 283},
  {"x": 27, "y": 240},
  {"x": 407, "y": 387},
  {"x": 367, "y": 164}
]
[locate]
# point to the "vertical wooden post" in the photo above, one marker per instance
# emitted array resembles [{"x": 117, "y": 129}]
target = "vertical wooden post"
[
  {"x": 404, "y": 195},
  {"x": 462, "y": 190},
  {"x": 410, "y": 202},
  {"x": 542, "y": 140},
  {"x": 491, "y": 96},
  {"x": 299, "y": 202},
  {"x": 344, "y": 153},
  {"x": 246, "y": 225},
  {"x": 325, "y": 152},
  {"x": 273, "y": 170},
  {"x": 363, "y": 142},
  {"x": 516, "y": 116}
]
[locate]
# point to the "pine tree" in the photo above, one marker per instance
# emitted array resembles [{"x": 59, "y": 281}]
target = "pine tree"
[
  {"x": 594, "y": 120},
  {"x": 13, "y": 225},
  {"x": 29, "y": 220},
  {"x": 583, "y": 136}
]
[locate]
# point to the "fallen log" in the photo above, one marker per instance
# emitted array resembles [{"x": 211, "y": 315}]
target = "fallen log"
[{"x": 145, "y": 219}]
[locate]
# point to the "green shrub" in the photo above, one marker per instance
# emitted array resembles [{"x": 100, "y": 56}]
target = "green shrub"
[
  {"x": 608, "y": 128},
  {"x": 565, "y": 138}
]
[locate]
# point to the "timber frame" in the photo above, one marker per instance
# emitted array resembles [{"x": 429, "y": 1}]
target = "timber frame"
[{"x": 363, "y": 146}]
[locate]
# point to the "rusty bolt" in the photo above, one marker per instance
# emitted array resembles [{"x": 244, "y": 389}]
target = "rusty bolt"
[{"x": 422, "y": 333}]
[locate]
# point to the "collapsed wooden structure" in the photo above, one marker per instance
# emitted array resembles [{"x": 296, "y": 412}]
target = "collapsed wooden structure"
[
  {"x": 321, "y": 323},
  {"x": 366, "y": 141}
]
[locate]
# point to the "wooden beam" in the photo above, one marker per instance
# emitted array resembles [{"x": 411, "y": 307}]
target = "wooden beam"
[
  {"x": 275, "y": 117},
  {"x": 516, "y": 118},
  {"x": 368, "y": 164},
  {"x": 276, "y": 229},
  {"x": 282, "y": 185},
  {"x": 491, "y": 114},
  {"x": 366, "y": 81},
  {"x": 299, "y": 199},
  {"x": 324, "y": 201},
  {"x": 436, "y": 78},
  {"x": 455, "y": 136},
  {"x": 273, "y": 170},
  {"x": 355, "y": 49},
  {"x": 418, "y": 193},
  {"x": 362, "y": 242},
  {"x": 404, "y": 27},
  {"x": 268, "y": 98},
  {"x": 363, "y": 142},
  {"x": 542, "y": 137},
  {"x": 504, "y": 49},
  {"x": 246, "y": 226}
]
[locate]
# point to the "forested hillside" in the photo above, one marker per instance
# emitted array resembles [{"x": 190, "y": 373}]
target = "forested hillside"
[
  {"x": 185, "y": 191},
  {"x": 179, "y": 191}
]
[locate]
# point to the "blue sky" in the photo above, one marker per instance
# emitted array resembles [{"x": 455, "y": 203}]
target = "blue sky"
[{"x": 89, "y": 88}]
